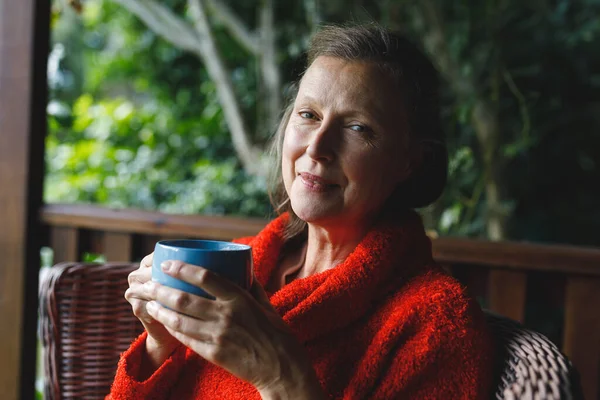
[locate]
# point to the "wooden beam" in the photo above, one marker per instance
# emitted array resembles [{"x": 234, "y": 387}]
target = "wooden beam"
[
  {"x": 508, "y": 255},
  {"x": 518, "y": 255},
  {"x": 24, "y": 33},
  {"x": 149, "y": 222}
]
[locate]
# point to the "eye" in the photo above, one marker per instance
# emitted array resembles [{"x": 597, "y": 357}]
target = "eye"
[
  {"x": 307, "y": 115},
  {"x": 358, "y": 128},
  {"x": 362, "y": 131}
]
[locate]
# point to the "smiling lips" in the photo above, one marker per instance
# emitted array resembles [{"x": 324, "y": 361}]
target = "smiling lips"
[{"x": 315, "y": 182}]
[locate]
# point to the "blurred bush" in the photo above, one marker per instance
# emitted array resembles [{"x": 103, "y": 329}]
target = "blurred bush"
[{"x": 135, "y": 122}]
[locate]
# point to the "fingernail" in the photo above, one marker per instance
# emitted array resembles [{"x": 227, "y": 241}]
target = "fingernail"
[{"x": 166, "y": 265}]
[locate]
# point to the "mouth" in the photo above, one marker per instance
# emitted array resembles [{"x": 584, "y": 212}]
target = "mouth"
[{"x": 315, "y": 182}]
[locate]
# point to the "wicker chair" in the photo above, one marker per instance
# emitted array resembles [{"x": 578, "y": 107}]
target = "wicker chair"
[
  {"x": 529, "y": 366},
  {"x": 85, "y": 323}
]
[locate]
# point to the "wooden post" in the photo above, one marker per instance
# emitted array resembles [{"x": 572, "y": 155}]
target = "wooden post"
[
  {"x": 24, "y": 34},
  {"x": 582, "y": 331},
  {"x": 507, "y": 291},
  {"x": 117, "y": 246},
  {"x": 65, "y": 243}
]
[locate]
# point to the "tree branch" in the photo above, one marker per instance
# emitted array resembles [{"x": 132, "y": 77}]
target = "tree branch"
[
  {"x": 210, "y": 55},
  {"x": 526, "y": 130},
  {"x": 163, "y": 22},
  {"x": 435, "y": 41},
  {"x": 236, "y": 27},
  {"x": 484, "y": 115},
  {"x": 271, "y": 76},
  {"x": 313, "y": 17}
]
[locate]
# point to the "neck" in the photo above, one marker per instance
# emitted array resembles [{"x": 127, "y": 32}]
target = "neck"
[{"x": 328, "y": 247}]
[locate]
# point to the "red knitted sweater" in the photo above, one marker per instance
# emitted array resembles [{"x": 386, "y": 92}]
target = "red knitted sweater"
[{"x": 387, "y": 323}]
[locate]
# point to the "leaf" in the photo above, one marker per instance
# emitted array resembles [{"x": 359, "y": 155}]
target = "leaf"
[{"x": 93, "y": 258}]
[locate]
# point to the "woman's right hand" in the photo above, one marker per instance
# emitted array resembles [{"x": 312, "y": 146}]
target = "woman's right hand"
[{"x": 160, "y": 343}]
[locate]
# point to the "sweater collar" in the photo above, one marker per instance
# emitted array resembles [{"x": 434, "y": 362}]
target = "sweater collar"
[{"x": 395, "y": 249}]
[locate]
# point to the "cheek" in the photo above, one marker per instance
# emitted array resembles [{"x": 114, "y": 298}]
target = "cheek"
[
  {"x": 293, "y": 139},
  {"x": 375, "y": 175},
  {"x": 288, "y": 157}
]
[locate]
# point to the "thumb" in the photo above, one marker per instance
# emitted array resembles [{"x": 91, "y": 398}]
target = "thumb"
[{"x": 258, "y": 292}]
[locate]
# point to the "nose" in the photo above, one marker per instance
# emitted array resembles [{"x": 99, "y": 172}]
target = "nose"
[{"x": 322, "y": 143}]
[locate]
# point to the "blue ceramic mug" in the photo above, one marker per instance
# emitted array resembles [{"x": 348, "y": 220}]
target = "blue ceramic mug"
[{"x": 230, "y": 260}]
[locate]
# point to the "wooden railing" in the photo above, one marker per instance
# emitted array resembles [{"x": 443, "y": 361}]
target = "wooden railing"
[{"x": 506, "y": 276}]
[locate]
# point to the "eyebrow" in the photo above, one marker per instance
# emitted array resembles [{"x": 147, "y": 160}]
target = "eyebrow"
[
  {"x": 308, "y": 99},
  {"x": 371, "y": 113},
  {"x": 313, "y": 100}
]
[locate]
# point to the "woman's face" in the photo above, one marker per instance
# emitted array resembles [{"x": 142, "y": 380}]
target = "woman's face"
[{"x": 346, "y": 144}]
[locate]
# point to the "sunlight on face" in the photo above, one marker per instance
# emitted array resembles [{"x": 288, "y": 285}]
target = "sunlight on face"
[{"x": 345, "y": 146}]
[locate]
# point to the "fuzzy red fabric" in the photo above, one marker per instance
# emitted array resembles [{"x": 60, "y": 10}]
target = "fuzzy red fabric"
[{"x": 387, "y": 323}]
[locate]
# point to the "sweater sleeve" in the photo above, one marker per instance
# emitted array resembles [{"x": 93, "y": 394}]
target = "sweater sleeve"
[
  {"x": 243, "y": 240},
  {"x": 444, "y": 350},
  {"x": 157, "y": 386}
]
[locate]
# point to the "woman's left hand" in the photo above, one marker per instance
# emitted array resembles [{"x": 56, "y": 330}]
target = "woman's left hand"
[{"x": 238, "y": 331}]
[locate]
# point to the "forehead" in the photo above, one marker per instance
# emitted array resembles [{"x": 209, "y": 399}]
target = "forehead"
[{"x": 356, "y": 85}]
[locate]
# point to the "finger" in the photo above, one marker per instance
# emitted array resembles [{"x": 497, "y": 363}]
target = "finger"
[
  {"x": 208, "y": 281},
  {"x": 138, "y": 292},
  {"x": 183, "y": 302},
  {"x": 147, "y": 261},
  {"x": 137, "y": 305},
  {"x": 137, "y": 297},
  {"x": 181, "y": 323},
  {"x": 258, "y": 292},
  {"x": 206, "y": 350},
  {"x": 139, "y": 276},
  {"x": 139, "y": 310}
]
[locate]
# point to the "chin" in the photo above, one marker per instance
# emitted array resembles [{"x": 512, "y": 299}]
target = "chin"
[
  {"x": 314, "y": 207},
  {"x": 307, "y": 215},
  {"x": 313, "y": 213}
]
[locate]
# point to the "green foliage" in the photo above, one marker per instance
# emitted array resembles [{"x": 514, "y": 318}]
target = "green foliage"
[
  {"x": 93, "y": 258},
  {"x": 134, "y": 122},
  {"x": 537, "y": 63},
  {"x": 143, "y": 128}
]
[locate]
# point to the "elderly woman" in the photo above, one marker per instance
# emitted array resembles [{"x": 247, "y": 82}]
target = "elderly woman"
[{"x": 347, "y": 301}]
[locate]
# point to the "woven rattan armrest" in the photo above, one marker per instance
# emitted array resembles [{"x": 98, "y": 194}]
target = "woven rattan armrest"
[
  {"x": 85, "y": 323},
  {"x": 529, "y": 365}
]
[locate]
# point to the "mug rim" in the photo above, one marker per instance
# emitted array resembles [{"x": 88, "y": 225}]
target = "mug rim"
[{"x": 167, "y": 244}]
